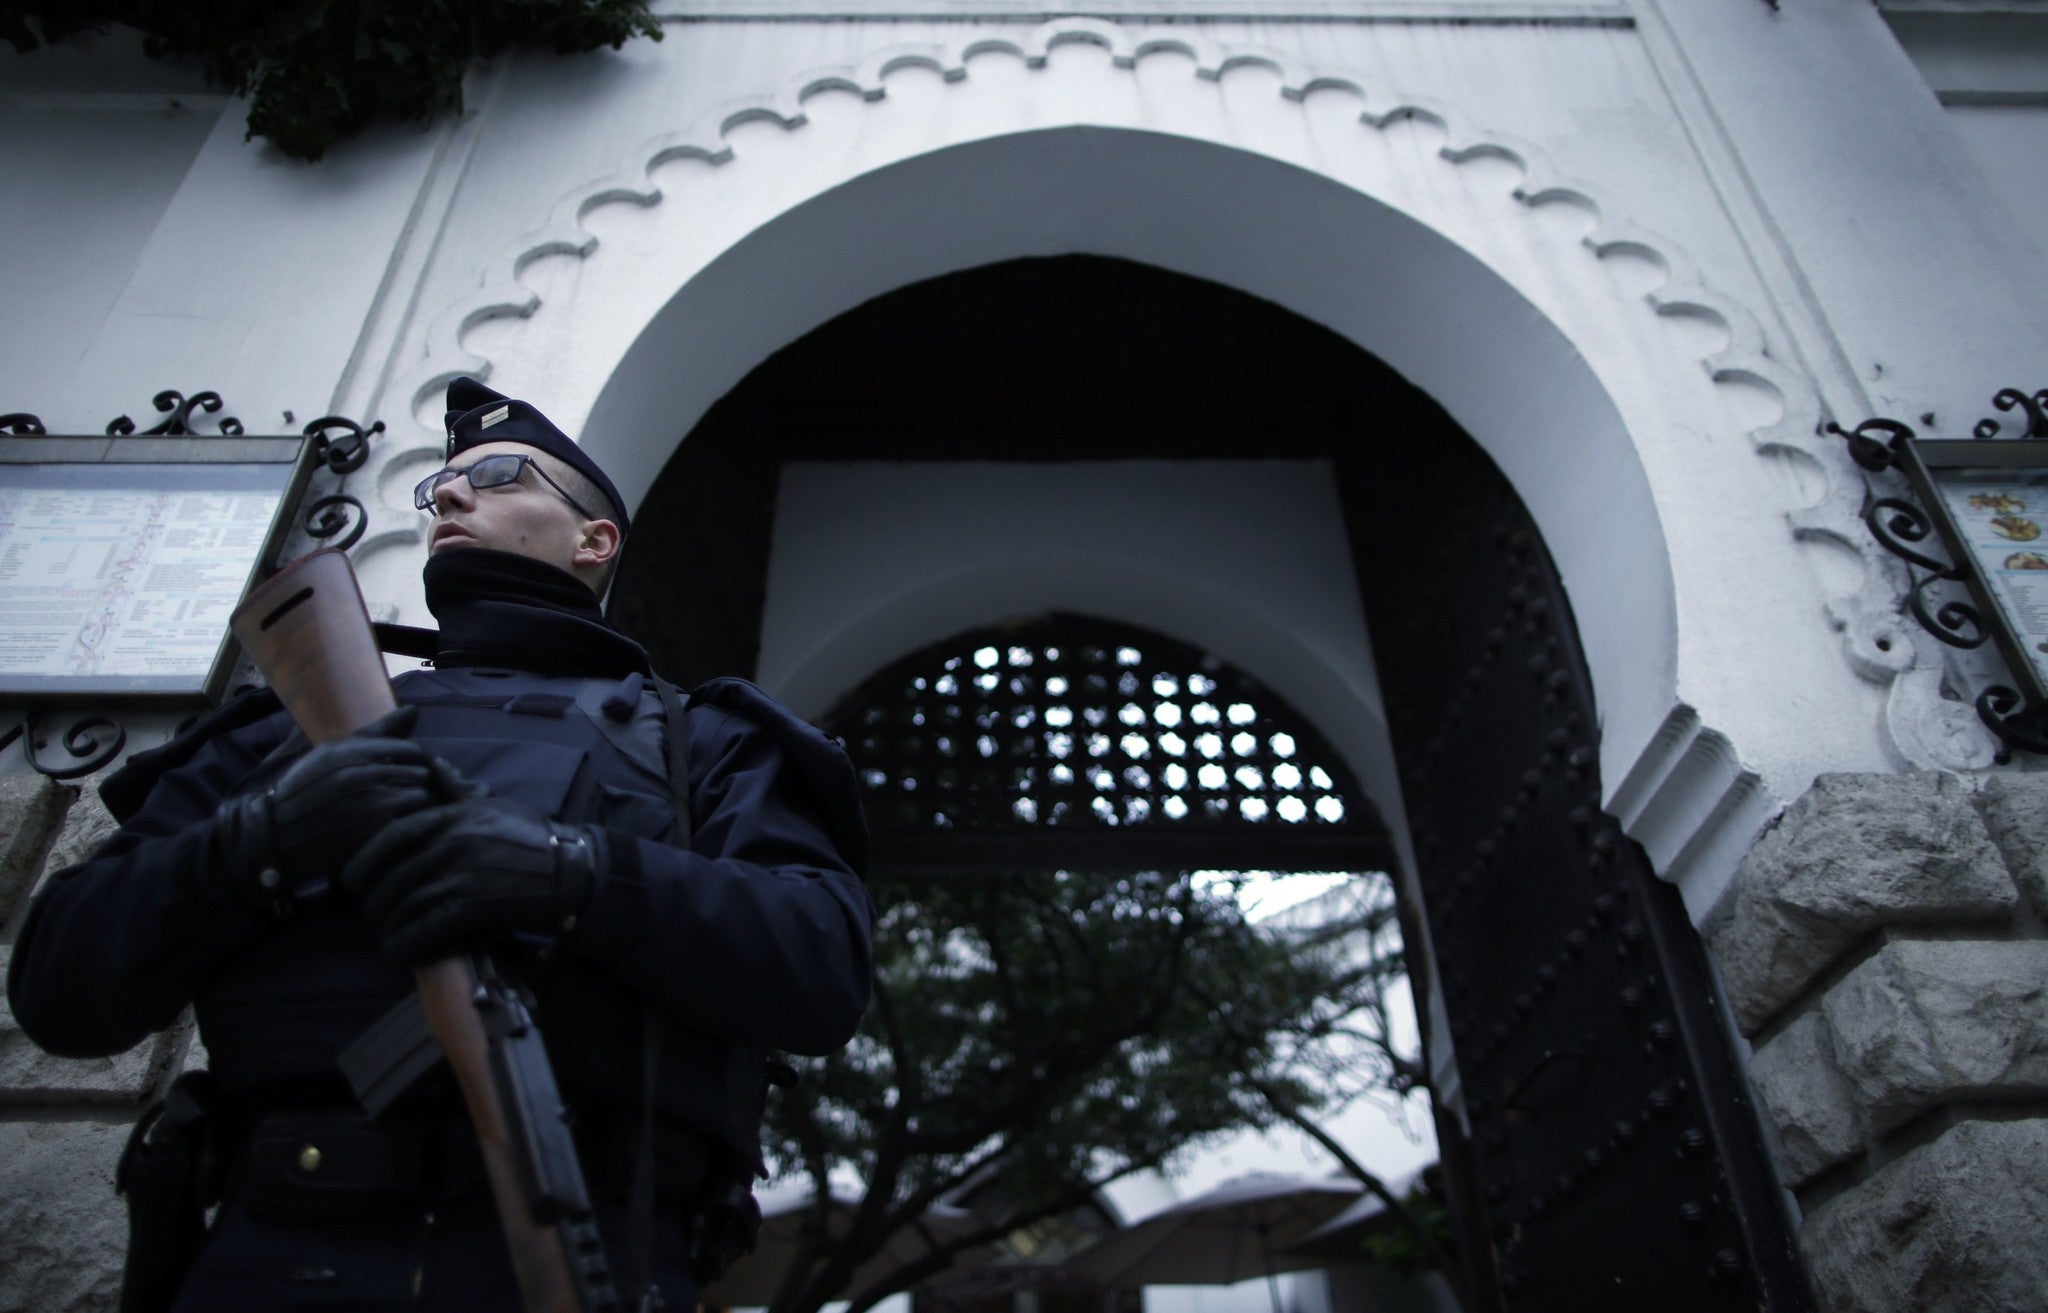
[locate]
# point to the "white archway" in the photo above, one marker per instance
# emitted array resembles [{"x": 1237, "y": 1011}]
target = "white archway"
[
  {"x": 1569, "y": 344},
  {"x": 1365, "y": 271}
]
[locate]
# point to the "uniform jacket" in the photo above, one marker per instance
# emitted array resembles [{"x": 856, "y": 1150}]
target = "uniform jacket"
[{"x": 756, "y": 937}]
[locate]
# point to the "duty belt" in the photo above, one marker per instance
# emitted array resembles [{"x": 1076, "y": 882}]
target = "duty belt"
[
  {"x": 338, "y": 1162},
  {"x": 327, "y": 1162}
]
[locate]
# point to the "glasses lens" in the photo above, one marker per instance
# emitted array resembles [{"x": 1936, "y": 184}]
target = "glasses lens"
[
  {"x": 490, "y": 472},
  {"x": 423, "y": 491},
  {"x": 496, "y": 471}
]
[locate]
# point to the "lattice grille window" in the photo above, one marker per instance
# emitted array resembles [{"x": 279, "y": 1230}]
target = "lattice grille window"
[{"x": 1075, "y": 728}]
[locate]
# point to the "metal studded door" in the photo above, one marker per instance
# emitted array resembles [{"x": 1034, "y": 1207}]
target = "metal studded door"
[{"x": 1614, "y": 1157}]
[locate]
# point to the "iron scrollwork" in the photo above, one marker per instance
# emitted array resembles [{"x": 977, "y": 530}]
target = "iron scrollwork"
[
  {"x": 1902, "y": 527},
  {"x": 1954, "y": 622},
  {"x": 1913, "y": 528},
  {"x": 1870, "y": 451},
  {"x": 21, "y": 424},
  {"x": 93, "y": 741},
  {"x": 331, "y": 515},
  {"x": 341, "y": 444},
  {"x": 2034, "y": 408},
  {"x": 177, "y": 410},
  {"x": 2017, "y": 723}
]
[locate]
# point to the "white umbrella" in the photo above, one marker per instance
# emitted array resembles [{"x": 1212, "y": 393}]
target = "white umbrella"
[
  {"x": 1342, "y": 1235},
  {"x": 1229, "y": 1234},
  {"x": 785, "y": 1212}
]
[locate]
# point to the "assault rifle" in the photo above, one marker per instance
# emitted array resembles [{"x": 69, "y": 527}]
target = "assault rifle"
[{"x": 306, "y": 628}]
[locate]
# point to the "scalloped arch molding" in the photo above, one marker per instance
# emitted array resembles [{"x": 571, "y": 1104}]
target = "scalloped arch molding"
[{"x": 1566, "y": 341}]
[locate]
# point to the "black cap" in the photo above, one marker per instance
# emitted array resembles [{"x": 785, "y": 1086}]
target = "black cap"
[{"x": 477, "y": 415}]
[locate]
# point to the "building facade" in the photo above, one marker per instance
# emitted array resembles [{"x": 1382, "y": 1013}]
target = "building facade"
[{"x": 897, "y": 322}]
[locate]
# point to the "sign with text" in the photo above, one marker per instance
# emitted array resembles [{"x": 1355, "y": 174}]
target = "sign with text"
[
  {"x": 117, "y": 575},
  {"x": 1989, "y": 499},
  {"x": 2001, "y": 517}
]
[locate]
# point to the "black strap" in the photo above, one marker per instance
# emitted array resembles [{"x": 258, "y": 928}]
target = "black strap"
[
  {"x": 678, "y": 758},
  {"x": 640, "y": 1217},
  {"x": 405, "y": 640}
]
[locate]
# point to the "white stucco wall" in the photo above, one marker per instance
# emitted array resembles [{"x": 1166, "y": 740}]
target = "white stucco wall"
[
  {"x": 172, "y": 253},
  {"x": 2007, "y": 141},
  {"x": 1989, "y": 70},
  {"x": 1638, "y": 250},
  {"x": 75, "y": 236}
]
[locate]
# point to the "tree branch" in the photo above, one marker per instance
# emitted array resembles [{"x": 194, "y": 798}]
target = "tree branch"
[{"x": 1307, "y": 1126}]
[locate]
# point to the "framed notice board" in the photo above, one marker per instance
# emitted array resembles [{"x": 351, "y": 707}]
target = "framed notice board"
[
  {"x": 122, "y": 557},
  {"x": 1990, "y": 504}
]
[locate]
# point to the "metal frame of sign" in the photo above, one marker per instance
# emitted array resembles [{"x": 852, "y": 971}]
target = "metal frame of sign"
[
  {"x": 280, "y": 465},
  {"x": 1925, "y": 464}
]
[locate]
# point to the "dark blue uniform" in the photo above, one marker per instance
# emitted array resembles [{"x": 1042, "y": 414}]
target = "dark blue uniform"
[{"x": 755, "y": 938}]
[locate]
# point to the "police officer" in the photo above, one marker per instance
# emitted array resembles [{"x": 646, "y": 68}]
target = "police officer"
[{"x": 521, "y": 798}]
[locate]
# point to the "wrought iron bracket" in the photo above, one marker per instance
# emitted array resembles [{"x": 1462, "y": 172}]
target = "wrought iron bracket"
[
  {"x": 1922, "y": 530},
  {"x": 92, "y": 741},
  {"x": 328, "y": 517},
  {"x": 177, "y": 410},
  {"x": 341, "y": 444}
]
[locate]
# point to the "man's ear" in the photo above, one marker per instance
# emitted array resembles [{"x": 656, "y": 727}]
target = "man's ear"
[{"x": 599, "y": 543}]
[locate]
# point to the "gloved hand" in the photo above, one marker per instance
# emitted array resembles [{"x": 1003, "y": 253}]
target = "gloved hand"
[
  {"x": 442, "y": 879},
  {"x": 290, "y": 841}
]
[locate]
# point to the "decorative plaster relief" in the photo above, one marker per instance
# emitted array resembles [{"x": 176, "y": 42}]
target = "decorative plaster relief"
[{"x": 1690, "y": 780}]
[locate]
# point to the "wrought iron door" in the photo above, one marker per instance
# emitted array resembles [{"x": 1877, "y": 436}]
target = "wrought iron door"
[{"x": 1615, "y": 1158}]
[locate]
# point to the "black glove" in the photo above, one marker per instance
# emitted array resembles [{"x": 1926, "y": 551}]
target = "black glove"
[
  {"x": 442, "y": 879},
  {"x": 290, "y": 841}
]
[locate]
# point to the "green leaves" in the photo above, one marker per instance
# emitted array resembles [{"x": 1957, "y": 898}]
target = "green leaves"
[{"x": 318, "y": 71}]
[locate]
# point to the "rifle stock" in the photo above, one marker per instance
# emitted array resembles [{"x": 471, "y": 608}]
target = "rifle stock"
[
  {"x": 307, "y": 629},
  {"x": 448, "y": 991}
]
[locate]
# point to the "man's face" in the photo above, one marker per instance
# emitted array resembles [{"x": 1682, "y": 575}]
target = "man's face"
[{"x": 527, "y": 517}]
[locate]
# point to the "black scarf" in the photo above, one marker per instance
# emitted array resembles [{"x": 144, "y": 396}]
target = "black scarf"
[{"x": 502, "y": 609}]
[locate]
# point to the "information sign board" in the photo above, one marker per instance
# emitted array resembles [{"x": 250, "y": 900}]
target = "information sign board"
[
  {"x": 1990, "y": 502},
  {"x": 121, "y": 559}
]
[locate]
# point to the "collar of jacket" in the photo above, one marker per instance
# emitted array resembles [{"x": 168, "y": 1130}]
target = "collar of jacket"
[{"x": 501, "y": 609}]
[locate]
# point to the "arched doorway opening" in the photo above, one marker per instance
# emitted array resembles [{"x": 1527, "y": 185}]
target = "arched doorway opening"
[
  {"x": 1091, "y": 817},
  {"x": 1562, "y": 395},
  {"x": 1595, "y": 1129}
]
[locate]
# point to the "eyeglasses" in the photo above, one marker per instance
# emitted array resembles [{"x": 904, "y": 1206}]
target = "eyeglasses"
[{"x": 490, "y": 472}]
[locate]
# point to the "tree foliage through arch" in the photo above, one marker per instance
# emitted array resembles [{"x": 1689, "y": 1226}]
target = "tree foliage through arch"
[{"x": 1044, "y": 1027}]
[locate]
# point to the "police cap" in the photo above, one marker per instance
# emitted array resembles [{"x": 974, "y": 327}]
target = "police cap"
[{"x": 477, "y": 414}]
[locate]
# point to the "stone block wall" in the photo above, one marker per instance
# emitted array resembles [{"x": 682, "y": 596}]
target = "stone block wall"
[
  {"x": 1885, "y": 949},
  {"x": 62, "y": 1122}
]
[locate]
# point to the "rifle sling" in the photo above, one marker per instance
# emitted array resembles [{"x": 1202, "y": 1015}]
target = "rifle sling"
[{"x": 640, "y": 1218}]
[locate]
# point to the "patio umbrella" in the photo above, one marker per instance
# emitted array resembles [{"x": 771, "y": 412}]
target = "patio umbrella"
[
  {"x": 1342, "y": 1237},
  {"x": 1232, "y": 1233},
  {"x": 784, "y": 1212}
]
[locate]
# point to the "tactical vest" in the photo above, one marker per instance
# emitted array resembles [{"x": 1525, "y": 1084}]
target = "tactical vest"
[{"x": 581, "y": 750}]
